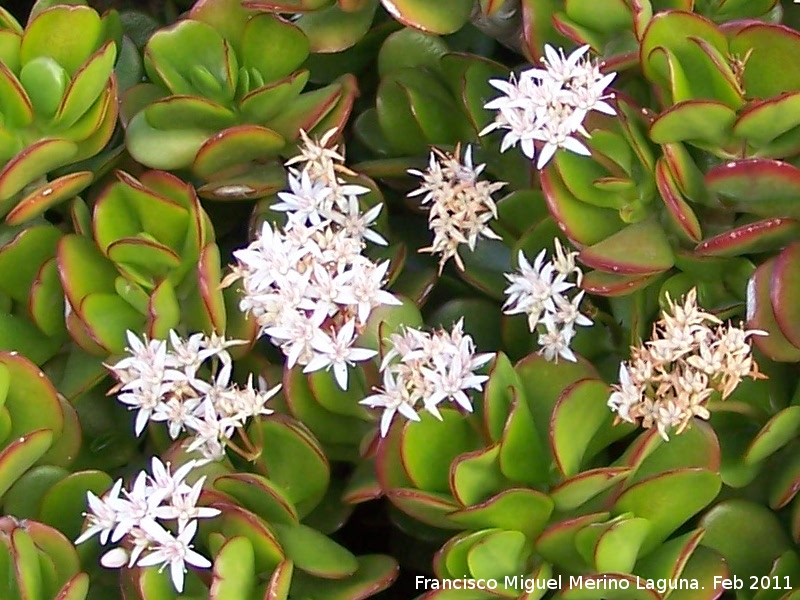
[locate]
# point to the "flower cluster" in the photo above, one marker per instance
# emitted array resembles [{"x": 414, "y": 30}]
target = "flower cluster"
[
  {"x": 187, "y": 385},
  {"x": 461, "y": 205},
  {"x": 541, "y": 291},
  {"x": 424, "y": 369},
  {"x": 549, "y": 105},
  {"x": 309, "y": 286},
  {"x": 137, "y": 518},
  {"x": 671, "y": 377}
]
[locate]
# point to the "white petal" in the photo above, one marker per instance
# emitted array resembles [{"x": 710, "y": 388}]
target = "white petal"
[
  {"x": 545, "y": 155},
  {"x": 340, "y": 372},
  {"x": 176, "y": 570},
  {"x": 141, "y": 421},
  {"x": 577, "y": 147},
  {"x": 386, "y": 421},
  {"x": 360, "y": 354},
  {"x": 114, "y": 558},
  {"x": 197, "y": 560}
]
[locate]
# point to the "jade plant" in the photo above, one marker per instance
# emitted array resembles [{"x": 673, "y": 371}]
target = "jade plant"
[
  {"x": 59, "y": 104},
  {"x": 252, "y": 508},
  {"x": 223, "y": 106},
  {"x": 340, "y": 299}
]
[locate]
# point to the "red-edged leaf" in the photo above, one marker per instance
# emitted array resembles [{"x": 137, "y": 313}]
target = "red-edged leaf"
[
  {"x": 22, "y": 454},
  {"x": 763, "y": 121},
  {"x": 765, "y": 44},
  {"x": 764, "y": 187},
  {"x": 706, "y": 121},
  {"x": 47, "y": 196},
  {"x": 680, "y": 212},
  {"x": 584, "y": 223},
  {"x": 612, "y": 285},
  {"x": 639, "y": 249},
  {"x": 430, "y": 17},
  {"x": 761, "y": 315},
  {"x": 758, "y": 236},
  {"x": 236, "y": 146},
  {"x": 428, "y": 507},
  {"x": 35, "y": 161},
  {"x": 784, "y": 292}
]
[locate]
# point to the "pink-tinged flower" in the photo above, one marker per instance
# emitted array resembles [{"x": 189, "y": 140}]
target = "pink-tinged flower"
[
  {"x": 137, "y": 507},
  {"x": 173, "y": 552},
  {"x": 103, "y": 516},
  {"x": 691, "y": 356},
  {"x": 210, "y": 432},
  {"x": 164, "y": 480},
  {"x": 357, "y": 225},
  {"x": 365, "y": 290},
  {"x": 548, "y": 105},
  {"x": 461, "y": 206},
  {"x": 338, "y": 351},
  {"x": 558, "y": 67},
  {"x": 427, "y": 369},
  {"x": 183, "y": 507},
  {"x": 626, "y": 395},
  {"x": 555, "y": 340},
  {"x": 541, "y": 291},
  {"x": 307, "y": 200},
  {"x": 450, "y": 378},
  {"x": 393, "y": 399}
]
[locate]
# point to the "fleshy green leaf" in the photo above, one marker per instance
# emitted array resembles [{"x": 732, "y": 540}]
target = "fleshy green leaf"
[
  {"x": 234, "y": 570},
  {"x": 574, "y": 491},
  {"x": 429, "y": 447},
  {"x": 62, "y": 506},
  {"x": 668, "y": 500},
  {"x": 520, "y": 509},
  {"x": 53, "y": 33},
  {"x": 759, "y": 540},
  {"x": 294, "y": 460},
  {"x": 429, "y": 17},
  {"x": 260, "y": 496},
  {"x": 21, "y": 454},
  {"x": 613, "y": 254},
  {"x": 314, "y": 552},
  {"x": 762, "y": 187},
  {"x": 274, "y": 47}
]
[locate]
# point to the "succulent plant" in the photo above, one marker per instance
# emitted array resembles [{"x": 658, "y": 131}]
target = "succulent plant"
[
  {"x": 427, "y": 95},
  {"x": 271, "y": 535},
  {"x": 510, "y": 310},
  {"x": 39, "y": 562},
  {"x": 156, "y": 268},
  {"x": 538, "y": 487},
  {"x": 32, "y": 313},
  {"x": 261, "y": 514},
  {"x": 59, "y": 104},
  {"x": 45, "y": 472},
  {"x": 221, "y": 106},
  {"x": 39, "y": 427}
]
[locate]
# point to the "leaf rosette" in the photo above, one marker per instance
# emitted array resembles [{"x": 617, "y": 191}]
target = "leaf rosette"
[
  {"x": 58, "y": 101},
  {"x": 154, "y": 269},
  {"x": 39, "y": 562},
  {"x": 271, "y": 536},
  {"x": 521, "y": 484},
  {"x": 225, "y": 99}
]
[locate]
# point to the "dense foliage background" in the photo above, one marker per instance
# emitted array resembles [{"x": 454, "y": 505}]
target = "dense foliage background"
[{"x": 635, "y": 422}]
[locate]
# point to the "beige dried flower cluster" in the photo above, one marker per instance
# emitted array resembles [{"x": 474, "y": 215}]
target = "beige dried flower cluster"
[
  {"x": 692, "y": 355},
  {"x": 461, "y": 205}
]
